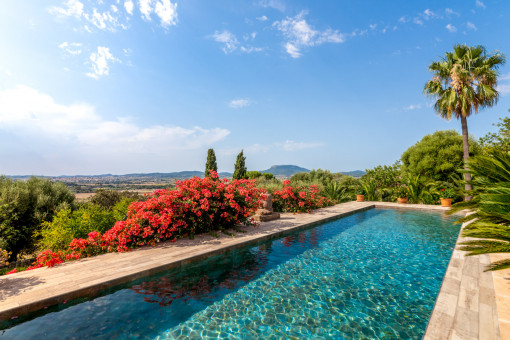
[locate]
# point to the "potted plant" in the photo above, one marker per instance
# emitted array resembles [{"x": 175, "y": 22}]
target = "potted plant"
[
  {"x": 360, "y": 194},
  {"x": 402, "y": 194},
  {"x": 446, "y": 195}
]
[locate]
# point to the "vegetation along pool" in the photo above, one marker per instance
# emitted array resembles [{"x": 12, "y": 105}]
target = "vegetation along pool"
[{"x": 374, "y": 274}]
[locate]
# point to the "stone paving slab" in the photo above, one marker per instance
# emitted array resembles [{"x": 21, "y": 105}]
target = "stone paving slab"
[{"x": 502, "y": 295}]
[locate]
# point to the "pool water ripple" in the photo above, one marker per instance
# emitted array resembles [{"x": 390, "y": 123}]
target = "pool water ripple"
[{"x": 372, "y": 275}]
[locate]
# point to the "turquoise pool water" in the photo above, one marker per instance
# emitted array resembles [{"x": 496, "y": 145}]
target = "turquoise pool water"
[{"x": 372, "y": 275}]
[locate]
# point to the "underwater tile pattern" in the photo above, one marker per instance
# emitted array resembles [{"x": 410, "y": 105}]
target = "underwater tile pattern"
[{"x": 372, "y": 275}]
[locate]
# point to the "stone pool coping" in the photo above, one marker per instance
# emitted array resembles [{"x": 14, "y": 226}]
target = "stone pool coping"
[
  {"x": 466, "y": 306},
  {"x": 33, "y": 290}
]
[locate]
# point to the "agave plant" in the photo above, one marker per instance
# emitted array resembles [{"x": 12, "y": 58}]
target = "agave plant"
[
  {"x": 418, "y": 190},
  {"x": 336, "y": 192},
  {"x": 491, "y": 206},
  {"x": 370, "y": 188}
]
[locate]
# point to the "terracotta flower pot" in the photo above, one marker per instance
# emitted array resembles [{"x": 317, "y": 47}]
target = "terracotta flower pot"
[
  {"x": 402, "y": 200},
  {"x": 446, "y": 202},
  {"x": 360, "y": 198}
]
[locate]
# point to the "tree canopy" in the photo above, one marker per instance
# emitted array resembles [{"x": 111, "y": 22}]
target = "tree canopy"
[
  {"x": 437, "y": 156},
  {"x": 211, "y": 162},
  {"x": 499, "y": 140},
  {"x": 240, "y": 167},
  {"x": 24, "y": 205}
]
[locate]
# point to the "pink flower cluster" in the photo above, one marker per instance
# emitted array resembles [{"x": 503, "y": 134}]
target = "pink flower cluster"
[
  {"x": 195, "y": 206},
  {"x": 299, "y": 199}
]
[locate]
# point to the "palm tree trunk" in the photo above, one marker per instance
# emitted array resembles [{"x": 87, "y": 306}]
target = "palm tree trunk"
[{"x": 465, "y": 146}]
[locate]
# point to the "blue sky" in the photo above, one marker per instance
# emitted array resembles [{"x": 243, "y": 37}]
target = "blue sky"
[{"x": 91, "y": 87}]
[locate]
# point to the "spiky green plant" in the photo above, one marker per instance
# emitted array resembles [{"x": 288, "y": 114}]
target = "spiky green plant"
[
  {"x": 418, "y": 190},
  {"x": 464, "y": 81},
  {"x": 491, "y": 206},
  {"x": 337, "y": 193},
  {"x": 369, "y": 186}
]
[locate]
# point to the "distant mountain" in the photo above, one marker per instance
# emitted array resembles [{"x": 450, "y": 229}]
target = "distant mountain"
[
  {"x": 154, "y": 176},
  {"x": 277, "y": 170},
  {"x": 284, "y": 170},
  {"x": 355, "y": 173}
]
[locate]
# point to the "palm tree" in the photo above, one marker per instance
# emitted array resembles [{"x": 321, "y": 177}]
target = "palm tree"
[{"x": 464, "y": 80}]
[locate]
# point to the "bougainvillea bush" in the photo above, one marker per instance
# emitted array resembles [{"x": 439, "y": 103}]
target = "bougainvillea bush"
[
  {"x": 195, "y": 206},
  {"x": 299, "y": 198}
]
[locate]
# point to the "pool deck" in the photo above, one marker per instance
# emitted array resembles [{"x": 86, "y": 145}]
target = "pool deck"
[{"x": 465, "y": 309}]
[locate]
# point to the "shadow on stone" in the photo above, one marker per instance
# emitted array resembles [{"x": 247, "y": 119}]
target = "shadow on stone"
[{"x": 12, "y": 286}]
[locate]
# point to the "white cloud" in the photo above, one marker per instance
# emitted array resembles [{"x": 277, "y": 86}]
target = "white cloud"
[
  {"x": 503, "y": 89},
  {"x": 32, "y": 114},
  {"x": 288, "y": 145},
  {"x": 373, "y": 26},
  {"x": 293, "y": 50},
  {"x": 250, "y": 49},
  {"x": 228, "y": 39},
  {"x": 450, "y": 11},
  {"x": 239, "y": 103},
  {"x": 471, "y": 26},
  {"x": 300, "y": 34},
  {"x": 413, "y": 107},
  {"x": 504, "y": 86},
  {"x": 418, "y": 21},
  {"x": 129, "y": 6},
  {"x": 72, "y": 8},
  {"x": 103, "y": 20},
  {"x": 276, "y": 4},
  {"x": 105, "y": 16},
  {"x": 428, "y": 13},
  {"x": 262, "y": 18},
  {"x": 146, "y": 8},
  {"x": 230, "y": 42},
  {"x": 100, "y": 60},
  {"x": 167, "y": 12},
  {"x": 451, "y": 28},
  {"x": 480, "y": 4},
  {"x": 71, "y": 48},
  {"x": 403, "y": 20}
]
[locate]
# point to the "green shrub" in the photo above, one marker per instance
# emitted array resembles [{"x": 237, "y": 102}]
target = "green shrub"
[
  {"x": 67, "y": 224},
  {"x": 270, "y": 184},
  {"x": 258, "y": 174},
  {"x": 24, "y": 205},
  {"x": 497, "y": 140},
  {"x": 437, "y": 156},
  {"x": 107, "y": 199},
  {"x": 381, "y": 182}
]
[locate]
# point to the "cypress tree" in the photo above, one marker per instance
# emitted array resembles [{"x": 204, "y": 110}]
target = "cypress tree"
[
  {"x": 240, "y": 167},
  {"x": 211, "y": 162}
]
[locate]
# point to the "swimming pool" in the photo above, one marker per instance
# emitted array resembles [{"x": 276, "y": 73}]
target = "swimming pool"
[{"x": 374, "y": 274}]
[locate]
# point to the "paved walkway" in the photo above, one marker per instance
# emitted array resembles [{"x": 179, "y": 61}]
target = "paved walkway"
[
  {"x": 502, "y": 290},
  {"x": 465, "y": 309}
]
